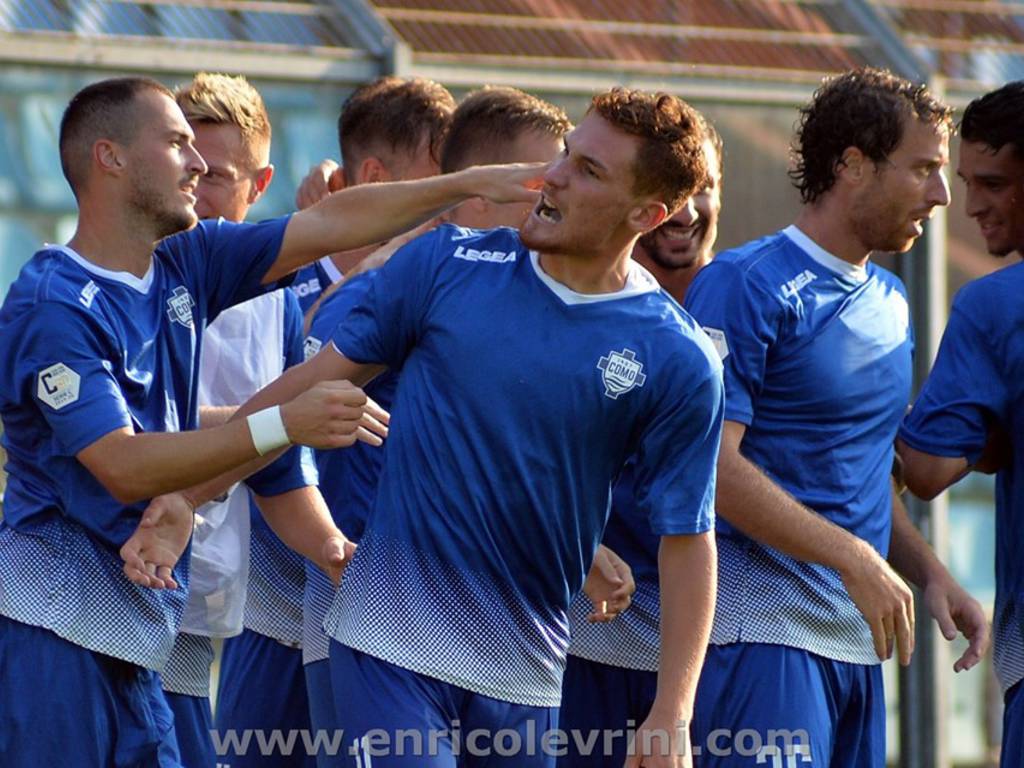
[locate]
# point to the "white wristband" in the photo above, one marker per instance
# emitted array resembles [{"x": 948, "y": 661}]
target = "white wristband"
[{"x": 267, "y": 430}]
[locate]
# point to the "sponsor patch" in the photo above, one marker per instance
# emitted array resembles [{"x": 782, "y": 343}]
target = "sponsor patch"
[
  {"x": 310, "y": 347},
  {"x": 718, "y": 339},
  {"x": 495, "y": 257},
  {"x": 58, "y": 386}
]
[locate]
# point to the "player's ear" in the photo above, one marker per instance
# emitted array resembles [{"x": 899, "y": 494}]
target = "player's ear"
[
  {"x": 373, "y": 170},
  {"x": 851, "y": 165},
  {"x": 647, "y": 215},
  {"x": 260, "y": 183}
]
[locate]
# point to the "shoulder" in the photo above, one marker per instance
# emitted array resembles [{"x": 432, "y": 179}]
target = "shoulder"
[
  {"x": 50, "y": 284},
  {"x": 678, "y": 338},
  {"x": 993, "y": 294},
  {"x": 487, "y": 246}
]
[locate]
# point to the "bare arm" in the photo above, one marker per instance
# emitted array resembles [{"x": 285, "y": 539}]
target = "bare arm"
[
  {"x": 215, "y": 415},
  {"x": 301, "y": 520},
  {"x": 762, "y": 510},
  {"x": 926, "y": 475},
  {"x": 946, "y": 600},
  {"x": 339, "y": 222},
  {"x": 332, "y": 414},
  {"x": 687, "y": 576}
]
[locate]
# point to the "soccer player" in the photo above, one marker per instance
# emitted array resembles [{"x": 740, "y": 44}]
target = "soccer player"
[
  {"x": 246, "y": 347},
  {"x": 968, "y": 416},
  {"x": 677, "y": 250},
  {"x": 611, "y": 673},
  {"x": 553, "y": 358},
  {"x": 389, "y": 129},
  {"x": 816, "y": 344},
  {"x": 98, "y": 398}
]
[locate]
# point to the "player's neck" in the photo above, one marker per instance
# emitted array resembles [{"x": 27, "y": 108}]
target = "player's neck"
[
  {"x": 675, "y": 281},
  {"x": 826, "y": 226},
  {"x": 112, "y": 244},
  {"x": 588, "y": 275}
]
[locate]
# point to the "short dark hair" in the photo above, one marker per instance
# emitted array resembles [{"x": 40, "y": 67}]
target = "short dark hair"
[
  {"x": 997, "y": 118},
  {"x": 866, "y": 108},
  {"x": 487, "y": 121},
  {"x": 102, "y": 110},
  {"x": 670, "y": 162},
  {"x": 396, "y": 113}
]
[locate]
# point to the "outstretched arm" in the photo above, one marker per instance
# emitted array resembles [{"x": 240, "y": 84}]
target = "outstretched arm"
[{"x": 341, "y": 221}]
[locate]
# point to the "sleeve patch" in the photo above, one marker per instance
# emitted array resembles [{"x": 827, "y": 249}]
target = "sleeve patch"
[
  {"x": 718, "y": 339},
  {"x": 310, "y": 347},
  {"x": 58, "y": 386}
]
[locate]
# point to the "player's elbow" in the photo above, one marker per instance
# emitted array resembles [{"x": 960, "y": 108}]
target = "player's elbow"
[
  {"x": 123, "y": 483},
  {"x": 924, "y": 487}
]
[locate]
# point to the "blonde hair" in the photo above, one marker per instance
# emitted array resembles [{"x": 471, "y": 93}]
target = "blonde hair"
[{"x": 228, "y": 100}]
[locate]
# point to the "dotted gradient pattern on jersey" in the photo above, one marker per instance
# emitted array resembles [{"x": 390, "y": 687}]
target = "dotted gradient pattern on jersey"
[
  {"x": 631, "y": 640},
  {"x": 418, "y": 612},
  {"x": 1007, "y": 642},
  {"x": 188, "y": 669},
  {"x": 317, "y": 600},
  {"x": 766, "y": 597},
  {"x": 277, "y": 578},
  {"x": 58, "y": 579}
]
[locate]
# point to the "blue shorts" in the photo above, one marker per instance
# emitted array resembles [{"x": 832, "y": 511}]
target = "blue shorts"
[
  {"x": 61, "y": 704},
  {"x": 1012, "y": 755},
  {"x": 262, "y": 689},
  {"x": 193, "y": 722},
  {"x": 321, "y": 712},
  {"x": 758, "y": 701},
  {"x": 394, "y": 717},
  {"x": 601, "y": 705}
]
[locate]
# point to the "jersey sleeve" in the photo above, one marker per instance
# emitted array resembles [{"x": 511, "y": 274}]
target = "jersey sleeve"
[
  {"x": 292, "y": 335},
  {"x": 741, "y": 320},
  {"x": 384, "y": 325},
  {"x": 65, "y": 361},
  {"x": 965, "y": 392},
  {"x": 677, "y": 457},
  {"x": 230, "y": 259}
]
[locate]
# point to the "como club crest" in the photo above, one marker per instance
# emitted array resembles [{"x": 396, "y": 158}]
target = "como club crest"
[
  {"x": 179, "y": 306},
  {"x": 621, "y": 372}
]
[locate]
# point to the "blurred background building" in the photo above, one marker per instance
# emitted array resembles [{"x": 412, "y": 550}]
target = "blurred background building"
[{"x": 746, "y": 63}]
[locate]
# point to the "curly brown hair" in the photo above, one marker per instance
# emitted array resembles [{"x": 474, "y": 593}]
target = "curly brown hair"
[
  {"x": 670, "y": 161},
  {"x": 865, "y": 108}
]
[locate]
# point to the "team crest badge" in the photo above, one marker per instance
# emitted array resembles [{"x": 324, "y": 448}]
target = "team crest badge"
[
  {"x": 179, "y": 306},
  {"x": 621, "y": 372}
]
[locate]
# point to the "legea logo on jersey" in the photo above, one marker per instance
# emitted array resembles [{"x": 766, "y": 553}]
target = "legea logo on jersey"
[
  {"x": 179, "y": 306},
  {"x": 58, "y": 386},
  {"x": 310, "y": 347},
  {"x": 88, "y": 294},
  {"x": 621, "y": 372},
  {"x": 302, "y": 290},
  {"x": 792, "y": 288},
  {"x": 496, "y": 257}
]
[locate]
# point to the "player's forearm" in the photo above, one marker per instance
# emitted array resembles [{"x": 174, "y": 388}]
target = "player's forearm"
[
  {"x": 215, "y": 415},
  {"x": 761, "y": 509},
  {"x": 133, "y": 467},
  {"x": 687, "y": 575},
  {"x": 301, "y": 520},
  {"x": 369, "y": 213},
  {"x": 909, "y": 554}
]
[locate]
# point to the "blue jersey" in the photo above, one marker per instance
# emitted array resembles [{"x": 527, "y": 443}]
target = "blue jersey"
[
  {"x": 348, "y": 478},
  {"x": 273, "y": 605},
  {"x": 817, "y": 356},
  {"x": 518, "y": 404},
  {"x": 633, "y": 640},
  {"x": 978, "y": 382},
  {"x": 88, "y": 351},
  {"x": 312, "y": 280}
]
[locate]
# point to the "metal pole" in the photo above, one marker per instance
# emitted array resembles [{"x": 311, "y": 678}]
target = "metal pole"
[{"x": 924, "y": 685}]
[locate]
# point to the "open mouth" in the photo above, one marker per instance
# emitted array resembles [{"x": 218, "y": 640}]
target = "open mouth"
[{"x": 547, "y": 212}]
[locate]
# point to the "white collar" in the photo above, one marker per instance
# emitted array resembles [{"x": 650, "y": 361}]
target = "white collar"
[
  {"x": 856, "y": 273},
  {"x": 140, "y": 284},
  {"x": 638, "y": 281}
]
